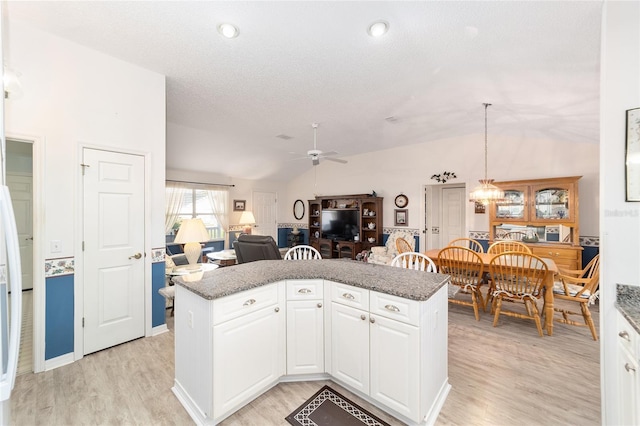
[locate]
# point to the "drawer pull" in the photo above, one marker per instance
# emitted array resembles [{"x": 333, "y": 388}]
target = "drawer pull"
[
  {"x": 304, "y": 290},
  {"x": 348, "y": 296},
  {"x": 249, "y": 302},
  {"x": 624, "y": 335},
  {"x": 277, "y": 309},
  {"x": 629, "y": 367},
  {"x": 363, "y": 317},
  {"x": 372, "y": 320},
  {"x": 392, "y": 308},
  {"x": 319, "y": 305}
]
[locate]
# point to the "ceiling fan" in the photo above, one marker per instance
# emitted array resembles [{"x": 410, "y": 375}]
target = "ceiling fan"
[{"x": 316, "y": 155}]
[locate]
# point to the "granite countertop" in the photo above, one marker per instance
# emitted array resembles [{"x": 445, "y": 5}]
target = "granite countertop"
[
  {"x": 628, "y": 303},
  {"x": 410, "y": 284}
]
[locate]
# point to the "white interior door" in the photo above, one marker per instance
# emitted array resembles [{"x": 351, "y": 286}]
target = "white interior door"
[
  {"x": 264, "y": 210},
  {"x": 113, "y": 237},
  {"x": 453, "y": 202},
  {"x": 21, "y": 189}
]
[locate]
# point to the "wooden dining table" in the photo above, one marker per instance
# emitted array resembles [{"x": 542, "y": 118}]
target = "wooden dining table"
[{"x": 548, "y": 282}]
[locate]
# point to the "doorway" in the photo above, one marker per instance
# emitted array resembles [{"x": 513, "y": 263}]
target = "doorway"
[
  {"x": 444, "y": 214},
  {"x": 20, "y": 183},
  {"x": 264, "y": 210}
]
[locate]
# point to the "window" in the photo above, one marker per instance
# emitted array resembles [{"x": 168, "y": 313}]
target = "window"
[{"x": 208, "y": 203}]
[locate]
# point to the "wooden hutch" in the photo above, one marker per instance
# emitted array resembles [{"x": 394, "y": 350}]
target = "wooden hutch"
[
  {"x": 368, "y": 210},
  {"x": 547, "y": 212}
]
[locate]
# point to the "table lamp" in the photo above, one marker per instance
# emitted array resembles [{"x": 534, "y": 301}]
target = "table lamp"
[
  {"x": 191, "y": 233},
  {"x": 247, "y": 219}
]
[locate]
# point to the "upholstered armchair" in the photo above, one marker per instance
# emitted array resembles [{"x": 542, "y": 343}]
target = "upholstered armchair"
[{"x": 383, "y": 255}]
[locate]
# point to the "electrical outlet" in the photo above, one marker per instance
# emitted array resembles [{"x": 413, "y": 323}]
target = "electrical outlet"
[
  {"x": 56, "y": 246},
  {"x": 190, "y": 319}
]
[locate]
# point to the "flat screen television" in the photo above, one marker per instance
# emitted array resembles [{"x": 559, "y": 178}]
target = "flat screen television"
[{"x": 340, "y": 224}]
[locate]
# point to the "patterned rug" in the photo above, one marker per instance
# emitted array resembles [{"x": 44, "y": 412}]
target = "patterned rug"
[{"x": 328, "y": 408}]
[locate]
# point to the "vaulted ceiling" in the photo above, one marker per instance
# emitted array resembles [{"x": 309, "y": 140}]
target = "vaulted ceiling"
[{"x": 255, "y": 96}]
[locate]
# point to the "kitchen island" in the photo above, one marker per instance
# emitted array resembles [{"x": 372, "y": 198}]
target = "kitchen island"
[{"x": 377, "y": 330}]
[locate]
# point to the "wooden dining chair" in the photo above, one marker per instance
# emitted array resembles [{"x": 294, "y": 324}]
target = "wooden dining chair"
[
  {"x": 466, "y": 269},
  {"x": 517, "y": 277},
  {"x": 578, "y": 286},
  {"x": 403, "y": 245},
  {"x": 302, "y": 252},
  {"x": 467, "y": 243},
  {"x": 514, "y": 235},
  {"x": 414, "y": 260},
  {"x": 503, "y": 246}
]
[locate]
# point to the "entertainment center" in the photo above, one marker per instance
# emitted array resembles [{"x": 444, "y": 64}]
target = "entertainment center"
[{"x": 344, "y": 225}]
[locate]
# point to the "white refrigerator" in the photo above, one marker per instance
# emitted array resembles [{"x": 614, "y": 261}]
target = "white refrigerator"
[{"x": 10, "y": 273}]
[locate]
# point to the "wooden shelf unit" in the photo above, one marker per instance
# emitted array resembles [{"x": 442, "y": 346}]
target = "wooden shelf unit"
[
  {"x": 369, "y": 210},
  {"x": 546, "y": 207}
]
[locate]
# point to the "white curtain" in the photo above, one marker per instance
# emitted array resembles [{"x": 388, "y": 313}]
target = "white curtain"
[
  {"x": 219, "y": 200},
  {"x": 174, "y": 196}
]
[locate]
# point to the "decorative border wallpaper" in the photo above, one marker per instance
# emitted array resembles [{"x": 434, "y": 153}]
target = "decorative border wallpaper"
[
  {"x": 158, "y": 254},
  {"x": 412, "y": 231},
  {"x": 292, "y": 225},
  {"x": 58, "y": 267}
]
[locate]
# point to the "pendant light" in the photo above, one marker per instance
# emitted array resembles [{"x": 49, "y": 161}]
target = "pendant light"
[{"x": 486, "y": 192}]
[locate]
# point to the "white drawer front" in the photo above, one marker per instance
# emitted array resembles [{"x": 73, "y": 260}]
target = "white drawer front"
[
  {"x": 394, "y": 307},
  {"x": 230, "y": 307},
  {"x": 304, "y": 289},
  {"x": 350, "y": 296}
]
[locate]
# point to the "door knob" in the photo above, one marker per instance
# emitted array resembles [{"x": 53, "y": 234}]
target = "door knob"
[{"x": 136, "y": 256}]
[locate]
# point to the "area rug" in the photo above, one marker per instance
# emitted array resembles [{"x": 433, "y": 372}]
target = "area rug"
[{"x": 328, "y": 408}]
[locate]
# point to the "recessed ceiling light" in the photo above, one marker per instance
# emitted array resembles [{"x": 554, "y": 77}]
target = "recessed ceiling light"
[
  {"x": 228, "y": 30},
  {"x": 378, "y": 28}
]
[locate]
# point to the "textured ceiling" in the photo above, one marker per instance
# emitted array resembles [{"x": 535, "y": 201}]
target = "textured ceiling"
[{"x": 295, "y": 63}]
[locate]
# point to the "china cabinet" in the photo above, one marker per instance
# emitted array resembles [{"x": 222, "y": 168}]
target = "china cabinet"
[
  {"x": 546, "y": 211},
  {"x": 363, "y": 213}
]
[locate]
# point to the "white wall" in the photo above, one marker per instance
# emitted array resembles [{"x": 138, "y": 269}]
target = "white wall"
[
  {"x": 73, "y": 96},
  {"x": 620, "y": 221},
  {"x": 407, "y": 169}
]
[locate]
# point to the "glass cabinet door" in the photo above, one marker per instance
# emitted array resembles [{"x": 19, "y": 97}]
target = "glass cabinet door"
[
  {"x": 514, "y": 205},
  {"x": 553, "y": 203}
]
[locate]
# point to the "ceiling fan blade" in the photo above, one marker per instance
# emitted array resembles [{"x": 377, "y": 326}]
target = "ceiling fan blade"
[
  {"x": 328, "y": 153},
  {"x": 337, "y": 160}
]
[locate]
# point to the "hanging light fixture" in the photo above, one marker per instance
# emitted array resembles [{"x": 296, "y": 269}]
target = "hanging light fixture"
[{"x": 486, "y": 192}]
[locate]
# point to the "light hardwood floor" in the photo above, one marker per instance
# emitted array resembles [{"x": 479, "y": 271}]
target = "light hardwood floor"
[{"x": 500, "y": 376}]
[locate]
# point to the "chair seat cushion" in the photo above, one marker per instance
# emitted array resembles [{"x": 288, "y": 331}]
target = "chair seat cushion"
[{"x": 558, "y": 288}]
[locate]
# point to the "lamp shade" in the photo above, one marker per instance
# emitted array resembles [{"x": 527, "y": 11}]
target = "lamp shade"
[
  {"x": 192, "y": 231},
  {"x": 247, "y": 218}
]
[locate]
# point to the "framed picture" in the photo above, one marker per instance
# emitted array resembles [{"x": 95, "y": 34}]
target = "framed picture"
[
  {"x": 632, "y": 159},
  {"x": 239, "y": 205},
  {"x": 480, "y": 208},
  {"x": 401, "y": 218}
]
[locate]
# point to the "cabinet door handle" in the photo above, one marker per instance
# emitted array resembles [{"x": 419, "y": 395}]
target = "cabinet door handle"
[
  {"x": 348, "y": 296},
  {"x": 249, "y": 302},
  {"x": 392, "y": 308},
  {"x": 629, "y": 367},
  {"x": 372, "y": 320},
  {"x": 624, "y": 335},
  {"x": 277, "y": 309},
  {"x": 304, "y": 291},
  {"x": 319, "y": 305},
  {"x": 363, "y": 317}
]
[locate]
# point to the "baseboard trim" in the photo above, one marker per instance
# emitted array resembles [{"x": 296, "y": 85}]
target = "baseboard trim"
[
  {"x": 160, "y": 329},
  {"x": 59, "y": 361}
]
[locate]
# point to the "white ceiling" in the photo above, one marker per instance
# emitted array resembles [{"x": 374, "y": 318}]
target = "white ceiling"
[{"x": 295, "y": 63}]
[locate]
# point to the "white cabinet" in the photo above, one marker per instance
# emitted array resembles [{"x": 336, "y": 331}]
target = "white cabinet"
[
  {"x": 376, "y": 346},
  {"x": 228, "y": 350},
  {"x": 247, "y": 357},
  {"x": 305, "y": 327},
  {"x": 350, "y": 346},
  {"x": 628, "y": 373}
]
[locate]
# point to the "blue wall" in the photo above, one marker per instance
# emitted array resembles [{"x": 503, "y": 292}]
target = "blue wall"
[
  {"x": 59, "y": 316},
  {"x": 157, "y": 300}
]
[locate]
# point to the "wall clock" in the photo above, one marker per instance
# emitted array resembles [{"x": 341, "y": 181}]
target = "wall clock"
[{"x": 402, "y": 201}]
